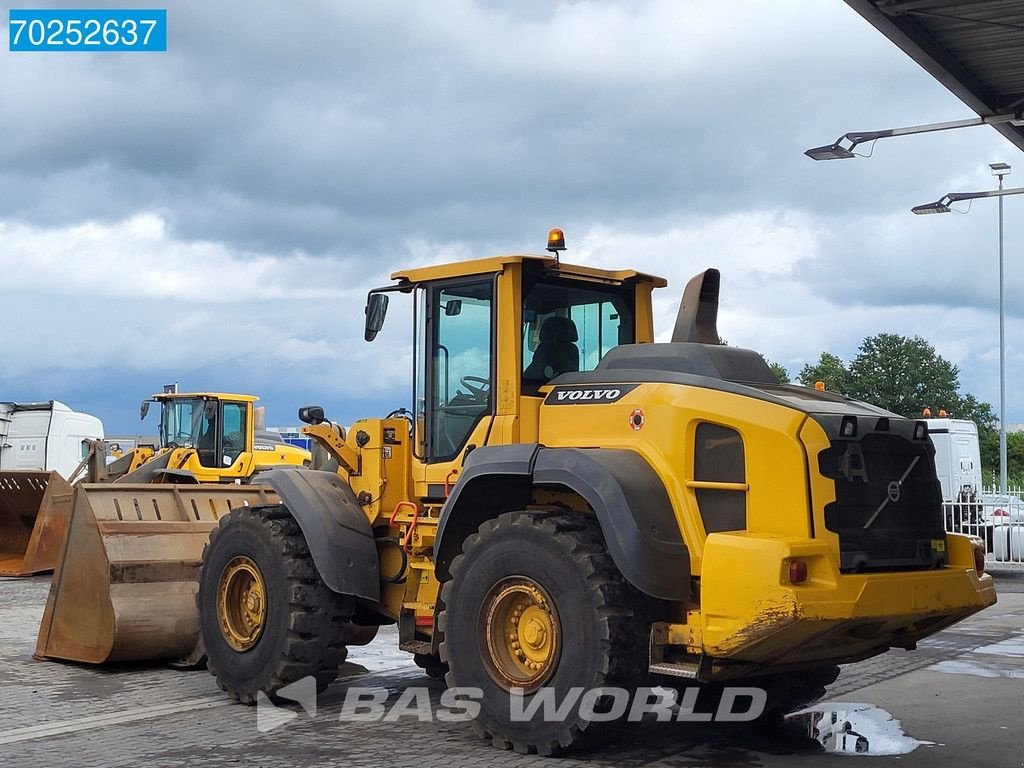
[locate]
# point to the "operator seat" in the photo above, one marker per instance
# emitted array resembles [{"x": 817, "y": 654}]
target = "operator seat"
[{"x": 556, "y": 353}]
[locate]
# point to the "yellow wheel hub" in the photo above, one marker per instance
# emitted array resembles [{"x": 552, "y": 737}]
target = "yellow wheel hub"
[
  {"x": 241, "y": 603},
  {"x": 521, "y": 629}
]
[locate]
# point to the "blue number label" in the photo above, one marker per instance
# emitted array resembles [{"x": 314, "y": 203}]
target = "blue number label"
[{"x": 87, "y": 30}]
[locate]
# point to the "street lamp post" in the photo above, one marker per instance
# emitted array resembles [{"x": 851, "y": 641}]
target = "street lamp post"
[
  {"x": 842, "y": 148},
  {"x": 1000, "y": 170},
  {"x": 942, "y": 206}
]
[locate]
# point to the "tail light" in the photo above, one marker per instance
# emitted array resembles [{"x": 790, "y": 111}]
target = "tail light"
[
  {"x": 1000, "y": 513},
  {"x": 798, "y": 571},
  {"x": 979, "y": 560}
]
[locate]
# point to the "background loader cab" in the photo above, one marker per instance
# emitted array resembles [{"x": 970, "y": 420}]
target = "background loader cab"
[
  {"x": 219, "y": 429},
  {"x": 209, "y": 437}
]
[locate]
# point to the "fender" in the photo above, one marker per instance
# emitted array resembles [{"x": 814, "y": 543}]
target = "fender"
[
  {"x": 625, "y": 492},
  {"x": 339, "y": 536}
]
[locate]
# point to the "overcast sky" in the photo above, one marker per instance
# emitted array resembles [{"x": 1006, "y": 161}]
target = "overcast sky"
[{"x": 214, "y": 215}]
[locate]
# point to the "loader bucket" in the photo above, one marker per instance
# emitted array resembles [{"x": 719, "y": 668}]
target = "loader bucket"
[
  {"x": 34, "y": 511},
  {"x": 125, "y": 585}
]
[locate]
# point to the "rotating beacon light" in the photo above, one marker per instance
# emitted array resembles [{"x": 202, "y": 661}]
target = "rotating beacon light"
[{"x": 556, "y": 242}]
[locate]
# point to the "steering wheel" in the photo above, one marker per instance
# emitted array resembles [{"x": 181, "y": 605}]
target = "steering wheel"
[{"x": 471, "y": 382}]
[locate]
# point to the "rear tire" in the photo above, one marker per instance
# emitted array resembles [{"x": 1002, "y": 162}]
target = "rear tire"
[
  {"x": 596, "y": 625},
  {"x": 300, "y": 621}
]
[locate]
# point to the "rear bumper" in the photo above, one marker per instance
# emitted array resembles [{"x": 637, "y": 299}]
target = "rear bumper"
[{"x": 754, "y": 618}]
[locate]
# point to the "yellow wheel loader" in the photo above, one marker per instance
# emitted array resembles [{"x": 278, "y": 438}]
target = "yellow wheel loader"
[
  {"x": 124, "y": 581},
  {"x": 572, "y": 506},
  {"x": 208, "y": 437}
]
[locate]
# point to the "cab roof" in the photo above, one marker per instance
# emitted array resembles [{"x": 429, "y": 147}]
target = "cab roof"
[
  {"x": 494, "y": 264},
  {"x": 211, "y": 395}
]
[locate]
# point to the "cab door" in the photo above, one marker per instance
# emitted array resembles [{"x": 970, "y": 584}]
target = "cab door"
[
  {"x": 454, "y": 398},
  {"x": 233, "y": 440}
]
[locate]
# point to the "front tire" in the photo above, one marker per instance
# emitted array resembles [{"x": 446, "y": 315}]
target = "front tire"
[
  {"x": 266, "y": 618},
  {"x": 535, "y": 602}
]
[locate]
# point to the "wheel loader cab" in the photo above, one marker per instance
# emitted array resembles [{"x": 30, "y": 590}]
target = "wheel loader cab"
[
  {"x": 219, "y": 429},
  {"x": 489, "y": 334}
]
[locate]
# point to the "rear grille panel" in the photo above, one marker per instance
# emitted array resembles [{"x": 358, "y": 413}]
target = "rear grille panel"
[{"x": 888, "y": 507}]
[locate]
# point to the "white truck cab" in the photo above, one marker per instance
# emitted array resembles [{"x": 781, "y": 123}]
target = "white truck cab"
[
  {"x": 957, "y": 458},
  {"x": 45, "y": 436}
]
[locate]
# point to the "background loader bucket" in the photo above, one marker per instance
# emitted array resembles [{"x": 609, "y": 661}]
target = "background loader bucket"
[
  {"x": 34, "y": 511},
  {"x": 125, "y": 586}
]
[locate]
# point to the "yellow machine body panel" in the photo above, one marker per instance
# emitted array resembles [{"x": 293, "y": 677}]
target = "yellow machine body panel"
[
  {"x": 751, "y": 613},
  {"x": 775, "y": 463}
]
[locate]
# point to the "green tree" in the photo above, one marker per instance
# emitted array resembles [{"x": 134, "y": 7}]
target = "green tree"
[
  {"x": 969, "y": 407},
  {"x": 779, "y": 371},
  {"x": 903, "y": 375},
  {"x": 989, "y": 439},
  {"x": 829, "y": 369}
]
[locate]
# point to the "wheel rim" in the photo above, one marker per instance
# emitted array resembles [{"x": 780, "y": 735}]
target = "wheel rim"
[
  {"x": 241, "y": 603},
  {"x": 522, "y": 633}
]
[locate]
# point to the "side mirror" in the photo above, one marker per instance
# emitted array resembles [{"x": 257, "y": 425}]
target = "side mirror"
[
  {"x": 144, "y": 409},
  {"x": 376, "y": 310},
  {"x": 453, "y": 308},
  {"x": 312, "y": 414}
]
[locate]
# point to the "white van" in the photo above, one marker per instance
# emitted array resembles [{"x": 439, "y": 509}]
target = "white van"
[
  {"x": 45, "y": 436},
  {"x": 957, "y": 458}
]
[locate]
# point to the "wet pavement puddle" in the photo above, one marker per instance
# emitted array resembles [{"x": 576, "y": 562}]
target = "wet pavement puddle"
[{"x": 854, "y": 729}]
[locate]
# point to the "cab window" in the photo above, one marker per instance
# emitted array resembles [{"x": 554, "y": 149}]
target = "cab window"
[
  {"x": 233, "y": 432},
  {"x": 570, "y": 327}
]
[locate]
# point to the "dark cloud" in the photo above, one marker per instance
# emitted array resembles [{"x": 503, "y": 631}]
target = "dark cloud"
[
  {"x": 359, "y": 124},
  {"x": 370, "y": 134}
]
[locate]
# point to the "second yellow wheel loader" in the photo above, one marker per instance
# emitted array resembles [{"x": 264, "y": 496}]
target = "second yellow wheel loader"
[
  {"x": 571, "y": 506},
  {"x": 124, "y": 581},
  {"x": 204, "y": 438}
]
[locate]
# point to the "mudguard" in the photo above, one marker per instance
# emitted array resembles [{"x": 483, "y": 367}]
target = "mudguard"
[
  {"x": 626, "y": 494},
  {"x": 337, "y": 531}
]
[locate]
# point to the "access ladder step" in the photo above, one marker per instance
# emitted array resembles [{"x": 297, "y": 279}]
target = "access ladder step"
[{"x": 675, "y": 669}]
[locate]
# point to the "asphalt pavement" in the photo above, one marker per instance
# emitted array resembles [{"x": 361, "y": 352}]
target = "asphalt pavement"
[{"x": 956, "y": 700}]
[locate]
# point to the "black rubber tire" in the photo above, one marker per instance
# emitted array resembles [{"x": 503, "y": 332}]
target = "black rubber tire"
[
  {"x": 431, "y": 664},
  {"x": 604, "y": 622},
  {"x": 304, "y": 630}
]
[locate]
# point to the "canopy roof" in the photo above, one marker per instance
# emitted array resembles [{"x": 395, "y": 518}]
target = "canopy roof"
[{"x": 973, "y": 47}]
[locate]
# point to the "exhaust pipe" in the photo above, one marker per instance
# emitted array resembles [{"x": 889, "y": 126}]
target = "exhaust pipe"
[{"x": 697, "y": 320}]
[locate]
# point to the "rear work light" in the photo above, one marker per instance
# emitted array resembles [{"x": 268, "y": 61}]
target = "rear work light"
[{"x": 797, "y": 571}]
